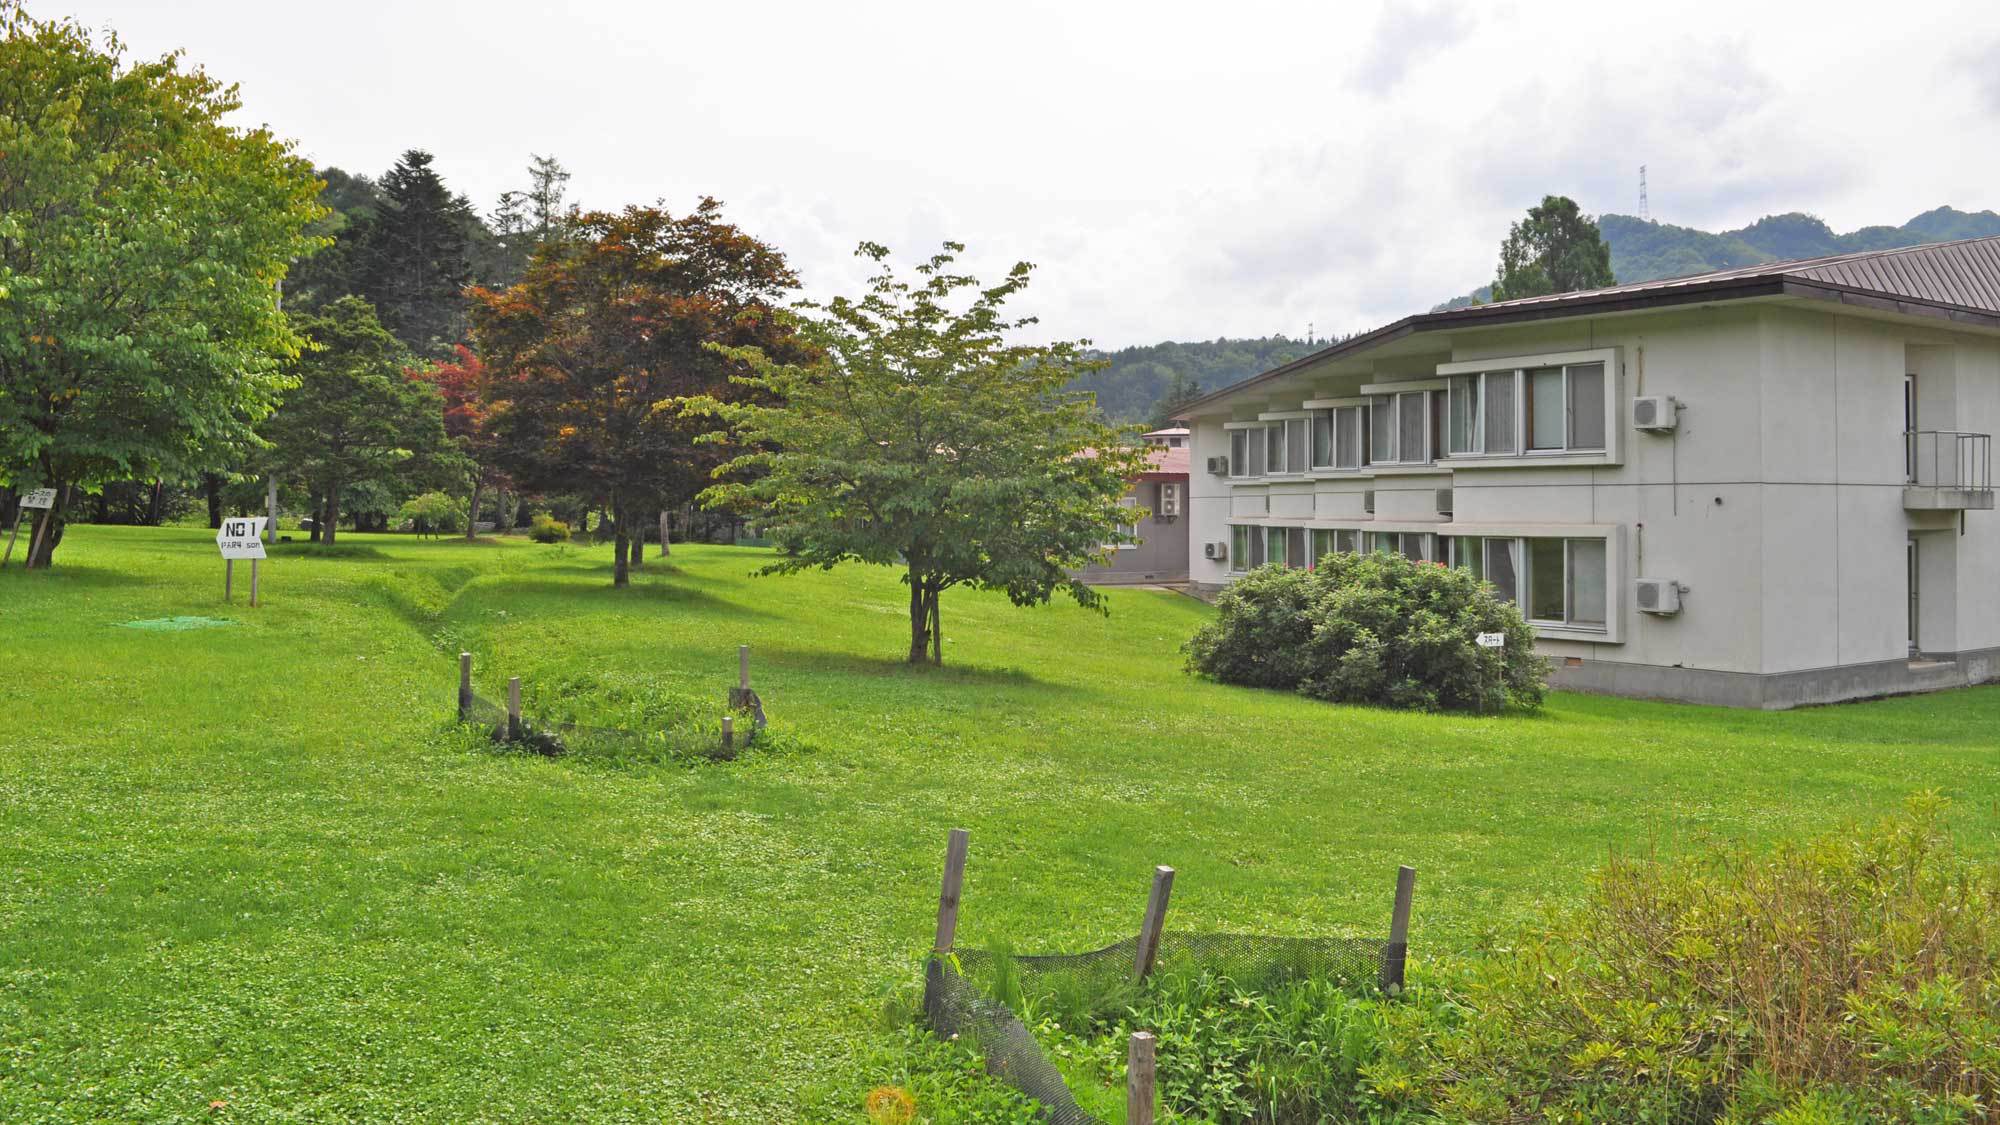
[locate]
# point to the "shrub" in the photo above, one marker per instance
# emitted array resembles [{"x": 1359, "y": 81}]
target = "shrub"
[
  {"x": 432, "y": 513},
  {"x": 1372, "y": 628},
  {"x": 548, "y": 529},
  {"x": 1852, "y": 979}
]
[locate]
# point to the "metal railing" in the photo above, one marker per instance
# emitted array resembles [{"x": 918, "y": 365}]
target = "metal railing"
[{"x": 1949, "y": 459}]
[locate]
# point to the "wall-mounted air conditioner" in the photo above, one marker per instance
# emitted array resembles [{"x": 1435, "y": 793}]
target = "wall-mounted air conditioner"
[
  {"x": 1170, "y": 499},
  {"x": 1218, "y": 466},
  {"x": 1216, "y": 550},
  {"x": 1660, "y": 596},
  {"x": 1444, "y": 501},
  {"x": 1368, "y": 501},
  {"x": 1657, "y": 413}
]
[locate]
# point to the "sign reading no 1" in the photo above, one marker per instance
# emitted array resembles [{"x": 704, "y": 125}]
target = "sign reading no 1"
[{"x": 240, "y": 537}]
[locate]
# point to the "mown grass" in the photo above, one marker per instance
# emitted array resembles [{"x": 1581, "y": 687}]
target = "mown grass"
[{"x": 257, "y": 864}]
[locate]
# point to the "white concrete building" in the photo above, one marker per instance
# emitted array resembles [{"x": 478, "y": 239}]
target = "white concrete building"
[{"x": 1762, "y": 487}]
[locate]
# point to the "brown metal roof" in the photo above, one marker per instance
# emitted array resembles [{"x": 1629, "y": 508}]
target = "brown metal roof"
[{"x": 1957, "y": 281}]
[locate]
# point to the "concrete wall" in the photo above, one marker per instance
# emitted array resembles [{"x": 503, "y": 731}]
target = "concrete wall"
[{"x": 1778, "y": 501}]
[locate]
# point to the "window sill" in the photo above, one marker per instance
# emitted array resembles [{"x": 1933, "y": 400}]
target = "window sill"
[
  {"x": 1525, "y": 460},
  {"x": 1426, "y": 469},
  {"x": 1548, "y": 632}
]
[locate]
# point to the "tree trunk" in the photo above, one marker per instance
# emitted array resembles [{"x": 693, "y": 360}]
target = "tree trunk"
[
  {"x": 937, "y": 628},
  {"x": 923, "y": 613},
  {"x": 664, "y": 552},
  {"x": 503, "y": 520},
  {"x": 43, "y": 546},
  {"x": 211, "y": 487},
  {"x": 472, "y": 510},
  {"x": 621, "y": 574},
  {"x": 332, "y": 512}
]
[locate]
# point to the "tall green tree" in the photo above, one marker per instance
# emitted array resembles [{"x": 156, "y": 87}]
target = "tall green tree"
[
  {"x": 1555, "y": 249},
  {"x": 590, "y": 357},
  {"x": 532, "y": 218},
  {"x": 141, "y": 243},
  {"x": 416, "y": 257},
  {"x": 355, "y": 417},
  {"x": 922, "y": 437},
  {"x": 1180, "y": 391}
]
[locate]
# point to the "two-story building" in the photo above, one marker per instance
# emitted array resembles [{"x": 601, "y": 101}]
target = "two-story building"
[
  {"x": 1763, "y": 487},
  {"x": 1153, "y": 547}
]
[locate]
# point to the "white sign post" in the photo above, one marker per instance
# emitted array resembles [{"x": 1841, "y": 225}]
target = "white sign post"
[
  {"x": 1492, "y": 640},
  {"x": 43, "y": 498},
  {"x": 240, "y": 537}
]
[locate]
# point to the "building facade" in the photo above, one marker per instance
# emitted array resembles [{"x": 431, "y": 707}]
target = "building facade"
[
  {"x": 1763, "y": 487},
  {"x": 1154, "y": 547}
]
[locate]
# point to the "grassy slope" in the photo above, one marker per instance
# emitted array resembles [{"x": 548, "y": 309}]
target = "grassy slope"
[{"x": 254, "y": 864}]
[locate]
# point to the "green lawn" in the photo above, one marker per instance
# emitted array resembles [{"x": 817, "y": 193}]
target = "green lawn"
[{"x": 257, "y": 863}]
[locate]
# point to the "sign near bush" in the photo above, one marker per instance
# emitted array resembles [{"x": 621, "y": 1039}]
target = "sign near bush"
[{"x": 1491, "y": 640}]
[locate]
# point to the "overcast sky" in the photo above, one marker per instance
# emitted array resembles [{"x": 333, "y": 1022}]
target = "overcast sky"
[{"x": 1175, "y": 172}]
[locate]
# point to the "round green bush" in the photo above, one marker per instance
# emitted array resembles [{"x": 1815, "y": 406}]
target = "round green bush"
[
  {"x": 547, "y": 529},
  {"x": 1372, "y": 628}
]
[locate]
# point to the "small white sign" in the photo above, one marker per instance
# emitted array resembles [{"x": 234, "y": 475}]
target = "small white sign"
[
  {"x": 1492, "y": 640},
  {"x": 39, "y": 498},
  {"x": 239, "y": 537}
]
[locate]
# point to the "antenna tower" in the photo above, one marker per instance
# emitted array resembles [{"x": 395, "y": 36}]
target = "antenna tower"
[{"x": 1645, "y": 212}]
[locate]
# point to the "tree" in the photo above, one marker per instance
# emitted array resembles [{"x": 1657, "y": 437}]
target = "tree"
[
  {"x": 1556, "y": 249},
  {"x": 354, "y": 416},
  {"x": 462, "y": 384},
  {"x": 528, "y": 220},
  {"x": 919, "y": 436},
  {"x": 141, "y": 241},
  {"x": 1180, "y": 391},
  {"x": 416, "y": 257},
  {"x": 606, "y": 335}
]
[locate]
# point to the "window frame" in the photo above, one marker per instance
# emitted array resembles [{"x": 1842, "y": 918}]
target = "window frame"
[
  {"x": 1516, "y": 542},
  {"x": 1518, "y": 372}
]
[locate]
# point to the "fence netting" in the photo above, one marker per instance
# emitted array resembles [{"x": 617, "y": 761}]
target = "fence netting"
[{"x": 955, "y": 1003}]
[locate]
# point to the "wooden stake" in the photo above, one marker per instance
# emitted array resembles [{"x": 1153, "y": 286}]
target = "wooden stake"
[
  {"x": 464, "y": 687},
  {"x": 1397, "y": 952},
  {"x": 1156, "y": 921},
  {"x": 728, "y": 733},
  {"x": 12, "y": 535},
  {"x": 954, "y": 881},
  {"x": 253, "y": 583},
  {"x": 1139, "y": 1080},
  {"x": 35, "y": 531},
  {"x": 513, "y": 708},
  {"x": 228, "y": 578}
]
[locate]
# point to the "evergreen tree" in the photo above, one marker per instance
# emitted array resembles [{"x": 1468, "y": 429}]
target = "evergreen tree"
[
  {"x": 1556, "y": 249},
  {"x": 416, "y": 259},
  {"x": 1180, "y": 391}
]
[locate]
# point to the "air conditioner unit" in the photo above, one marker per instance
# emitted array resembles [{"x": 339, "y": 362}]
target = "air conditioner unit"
[
  {"x": 1368, "y": 501},
  {"x": 1444, "y": 501},
  {"x": 1660, "y": 596},
  {"x": 1218, "y": 466},
  {"x": 1658, "y": 413},
  {"x": 1219, "y": 551},
  {"x": 1170, "y": 499}
]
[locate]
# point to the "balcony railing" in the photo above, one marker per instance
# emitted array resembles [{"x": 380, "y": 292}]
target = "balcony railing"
[{"x": 1948, "y": 470}]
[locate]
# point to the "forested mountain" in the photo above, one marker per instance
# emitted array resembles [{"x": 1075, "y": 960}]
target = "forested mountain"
[
  {"x": 1646, "y": 251},
  {"x": 1144, "y": 382}
]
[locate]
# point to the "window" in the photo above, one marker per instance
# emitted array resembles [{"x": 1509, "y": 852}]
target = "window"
[
  {"x": 1564, "y": 581},
  {"x": 1257, "y": 451},
  {"x": 1347, "y": 437},
  {"x": 1466, "y": 555},
  {"x": 1413, "y": 545},
  {"x": 1382, "y": 428},
  {"x": 1322, "y": 424},
  {"x": 1295, "y": 548},
  {"x": 1322, "y": 546},
  {"x": 1403, "y": 428},
  {"x": 1586, "y": 582},
  {"x": 1128, "y": 533},
  {"x": 1239, "y": 453},
  {"x": 1561, "y": 409},
  {"x": 1545, "y": 579},
  {"x": 1347, "y": 540},
  {"x": 1295, "y": 444},
  {"x": 1410, "y": 426},
  {"x": 1276, "y": 549},
  {"x": 1246, "y": 547},
  {"x": 1274, "y": 449},
  {"x": 1502, "y": 568}
]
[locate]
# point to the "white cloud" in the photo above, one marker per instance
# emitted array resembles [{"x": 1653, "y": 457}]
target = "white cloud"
[{"x": 1175, "y": 170}]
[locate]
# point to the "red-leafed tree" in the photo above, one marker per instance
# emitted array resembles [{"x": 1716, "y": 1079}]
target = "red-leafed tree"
[
  {"x": 592, "y": 355},
  {"x": 462, "y": 382}
]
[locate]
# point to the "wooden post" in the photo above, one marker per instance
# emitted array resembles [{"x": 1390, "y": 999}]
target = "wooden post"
[
  {"x": 271, "y": 507},
  {"x": 228, "y": 578},
  {"x": 1139, "y": 1080},
  {"x": 663, "y": 534},
  {"x": 954, "y": 880},
  {"x": 35, "y": 531},
  {"x": 1156, "y": 920},
  {"x": 513, "y": 708},
  {"x": 1397, "y": 952},
  {"x": 728, "y": 733},
  {"x": 14, "y": 534},
  {"x": 464, "y": 687},
  {"x": 253, "y": 583}
]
